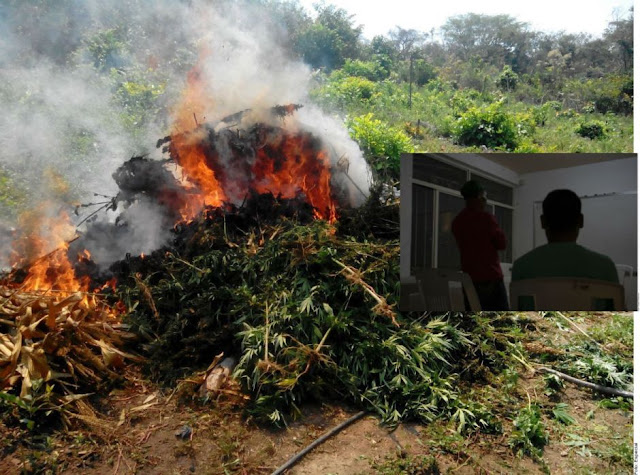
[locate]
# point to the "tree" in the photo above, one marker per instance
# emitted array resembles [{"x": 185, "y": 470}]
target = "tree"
[
  {"x": 330, "y": 39},
  {"x": 320, "y": 47},
  {"x": 497, "y": 39},
  {"x": 406, "y": 41},
  {"x": 383, "y": 51},
  {"x": 619, "y": 35}
]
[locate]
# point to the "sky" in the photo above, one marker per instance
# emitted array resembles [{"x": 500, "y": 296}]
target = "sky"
[{"x": 571, "y": 16}]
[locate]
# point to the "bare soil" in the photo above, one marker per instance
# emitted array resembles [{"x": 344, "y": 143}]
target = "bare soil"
[{"x": 148, "y": 431}]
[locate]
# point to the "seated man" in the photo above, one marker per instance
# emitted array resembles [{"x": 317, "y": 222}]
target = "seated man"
[
  {"x": 479, "y": 239},
  {"x": 562, "y": 219}
]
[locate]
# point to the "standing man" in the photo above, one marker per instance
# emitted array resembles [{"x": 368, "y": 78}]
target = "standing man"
[{"x": 479, "y": 239}]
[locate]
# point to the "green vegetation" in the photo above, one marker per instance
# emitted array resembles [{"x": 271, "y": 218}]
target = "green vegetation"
[
  {"x": 592, "y": 130},
  {"x": 483, "y": 82},
  {"x": 529, "y": 436},
  {"x": 381, "y": 144},
  {"x": 404, "y": 464}
]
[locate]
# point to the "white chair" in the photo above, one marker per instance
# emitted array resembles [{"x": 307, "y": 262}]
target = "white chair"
[
  {"x": 444, "y": 290},
  {"x": 566, "y": 293},
  {"x": 629, "y": 282}
]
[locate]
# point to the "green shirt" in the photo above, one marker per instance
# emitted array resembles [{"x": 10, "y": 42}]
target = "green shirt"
[{"x": 564, "y": 259}]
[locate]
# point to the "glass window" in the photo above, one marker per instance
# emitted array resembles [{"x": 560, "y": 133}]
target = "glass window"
[
  {"x": 421, "y": 227},
  {"x": 495, "y": 191},
  {"x": 434, "y": 171},
  {"x": 504, "y": 216},
  {"x": 448, "y": 208}
]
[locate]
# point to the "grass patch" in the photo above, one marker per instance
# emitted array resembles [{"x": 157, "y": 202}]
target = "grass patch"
[{"x": 403, "y": 464}]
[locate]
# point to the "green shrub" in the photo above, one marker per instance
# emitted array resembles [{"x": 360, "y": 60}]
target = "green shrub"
[
  {"x": 529, "y": 436},
  {"x": 341, "y": 92},
  {"x": 553, "y": 105},
  {"x": 507, "y": 79},
  {"x": 490, "y": 126},
  {"x": 422, "y": 73},
  {"x": 594, "y": 129},
  {"x": 540, "y": 114},
  {"x": 461, "y": 101},
  {"x": 567, "y": 113},
  {"x": 612, "y": 93},
  {"x": 526, "y": 123},
  {"x": 371, "y": 70},
  {"x": 590, "y": 108},
  {"x": 527, "y": 146},
  {"x": 382, "y": 145}
]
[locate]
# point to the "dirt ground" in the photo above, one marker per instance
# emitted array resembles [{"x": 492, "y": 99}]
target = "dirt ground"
[
  {"x": 148, "y": 431},
  {"x": 148, "y": 441}
]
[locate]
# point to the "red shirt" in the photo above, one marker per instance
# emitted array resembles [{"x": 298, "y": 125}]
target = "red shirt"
[{"x": 479, "y": 239}]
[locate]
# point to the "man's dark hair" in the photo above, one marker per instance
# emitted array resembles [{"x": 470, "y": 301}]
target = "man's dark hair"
[
  {"x": 471, "y": 189},
  {"x": 562, "y": 209}
]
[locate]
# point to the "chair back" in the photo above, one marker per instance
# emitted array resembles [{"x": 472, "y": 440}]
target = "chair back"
[
  {"x": 566, "y": 293},
  {"x": 444, "y": 290}
]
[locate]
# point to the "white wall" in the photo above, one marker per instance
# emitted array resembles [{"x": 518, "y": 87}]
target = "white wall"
[{"x": 605, "y": 228}]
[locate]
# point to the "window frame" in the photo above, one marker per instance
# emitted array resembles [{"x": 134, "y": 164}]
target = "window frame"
[{"x": 437, "y": 189}]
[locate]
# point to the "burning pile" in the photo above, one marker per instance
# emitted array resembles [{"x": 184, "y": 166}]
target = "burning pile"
[
  {"x": 56, "y": 332},
  {"x": 226, "y": 164},
  {"x": 58, "y": 340},
  {"x": 219, "y": 183},
  {"x": 67, "y": 341}
]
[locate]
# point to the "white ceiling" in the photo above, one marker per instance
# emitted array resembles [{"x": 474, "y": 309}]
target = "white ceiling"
[{"x": 522, "y": 163}]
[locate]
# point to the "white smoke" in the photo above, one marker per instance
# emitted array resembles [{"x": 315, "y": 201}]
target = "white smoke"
[{"x": 59, "y": 111}]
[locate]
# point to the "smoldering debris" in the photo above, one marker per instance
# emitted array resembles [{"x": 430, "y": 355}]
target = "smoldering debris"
[{"x": 244, "y": 159}]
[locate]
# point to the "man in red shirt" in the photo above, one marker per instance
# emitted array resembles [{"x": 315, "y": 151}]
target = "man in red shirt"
[{"x": 479, "y": 239}]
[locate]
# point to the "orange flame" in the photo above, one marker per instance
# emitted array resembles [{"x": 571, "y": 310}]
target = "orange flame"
[
  {"x": 42, "y": 248},
  {"x": 195, "y": 102},
  {"x": 291, "y": 163},
  {"x": 287, "y": 163}
]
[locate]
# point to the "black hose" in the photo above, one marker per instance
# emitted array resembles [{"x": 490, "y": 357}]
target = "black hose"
[
  {"x": 296, "y": 458},
  {"x": 587, "y": 384}
]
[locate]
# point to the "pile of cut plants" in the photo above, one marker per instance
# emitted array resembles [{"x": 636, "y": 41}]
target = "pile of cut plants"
[
  {"x": 56, "y": 350},
  {"x": 294, "y": 310},
  {"x": 305, "y": 308}
]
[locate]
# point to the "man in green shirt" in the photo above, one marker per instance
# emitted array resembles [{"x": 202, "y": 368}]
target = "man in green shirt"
[{"x": 562, "y": 220}]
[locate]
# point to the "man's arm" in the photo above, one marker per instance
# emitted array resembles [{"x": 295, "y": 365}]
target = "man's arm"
[{"x": 498, "y": 238}]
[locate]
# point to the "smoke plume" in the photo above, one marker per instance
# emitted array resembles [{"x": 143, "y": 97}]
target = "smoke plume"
[{"x": 84, "y": 85}]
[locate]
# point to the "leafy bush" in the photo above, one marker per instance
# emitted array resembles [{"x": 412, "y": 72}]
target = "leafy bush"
[
  {"x": 529, "y": 436},
  {"x": 595, "y": 129},
  {"x": 528, "y": 146},
  {"x": 553, "y": 105},
  {"x": 371, "y": 70},
  {"x": 461, "y": 101},
  {"x": 422, "y": 73},
  {"x": 382, "y": 145},
  {"x": 540, "y": 114},
  {"x": 567, "y": 113},
  {"x": 489, "y": 126},
  {"x": 507, "y": 79},
  {"x": 342, "y": 91},
  {"x": 612, "y": 93},
  {"x": 526, "y": 123}
]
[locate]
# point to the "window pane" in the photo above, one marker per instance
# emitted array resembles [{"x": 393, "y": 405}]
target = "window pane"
[
  {"x": 504, "y": 216},
  {"x": 421, "y": 227},
  {"x": 448, "y": 254},
  {"x": 495, "y": 191},
  {"x": 434, "y": 171}
]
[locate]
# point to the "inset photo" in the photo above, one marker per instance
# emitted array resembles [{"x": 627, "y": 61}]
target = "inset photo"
[{"x": 500, "y": 232}]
